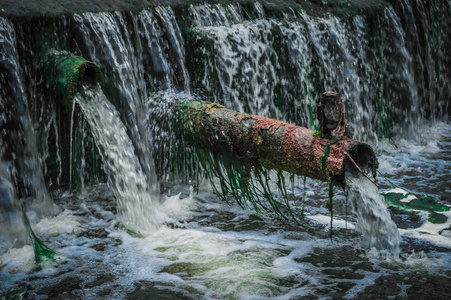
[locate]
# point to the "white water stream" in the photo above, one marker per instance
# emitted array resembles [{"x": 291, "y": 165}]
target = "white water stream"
[
  {"x": 136, "y": 202},
  {"x": 373, "y": 218}
]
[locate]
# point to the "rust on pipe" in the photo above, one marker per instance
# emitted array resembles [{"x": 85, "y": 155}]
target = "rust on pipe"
[{"x": 274, "y": 144}]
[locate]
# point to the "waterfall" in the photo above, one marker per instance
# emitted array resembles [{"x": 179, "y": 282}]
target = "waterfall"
[
  {"x": 390, "y": 69},
  {"x": 243, "y": 65},
  {"x": 137, "y": 216},
  {"x": 109, "y": 43},
  {"x": 215, "y": 15},
  {"x": 18, "y": 143},
  {"x": 135, "y": 195},
  {"x": 376, "y": 65},
  {"x": 163, "y": 50},
  {"x": 12, "y": 231}
]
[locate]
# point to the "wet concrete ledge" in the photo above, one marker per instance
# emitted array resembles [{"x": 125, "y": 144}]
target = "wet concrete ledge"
[{"x": 34, "y": 8}]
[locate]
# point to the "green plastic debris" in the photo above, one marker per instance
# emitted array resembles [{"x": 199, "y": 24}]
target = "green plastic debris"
[
  {"x": 16, "y": 294},
  {"x": 131, "y": 232},
  {"x": 41, "y": 251},
  {"x": 394, "y": 199},
  {"x": 436, "y": 218},
  {"x": 418, "y": 202},
  {"x": 427, "y": 203}
]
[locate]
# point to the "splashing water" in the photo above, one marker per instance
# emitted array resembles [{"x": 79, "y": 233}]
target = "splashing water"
[
  {"x": 15, "y": 223},
  {"x": 12, "y": 229},
  {"x": 374, "y": 221},
  {"x": 136, "y": 202}
]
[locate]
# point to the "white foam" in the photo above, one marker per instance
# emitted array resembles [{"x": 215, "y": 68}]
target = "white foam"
[
  {"x": 337, "y": 223},
  {"x": 18, "y": 260},
  {"x": 397, "y": 191},
  {"x": 64, "y": 223},
  {"x": 178, "y": 208}
]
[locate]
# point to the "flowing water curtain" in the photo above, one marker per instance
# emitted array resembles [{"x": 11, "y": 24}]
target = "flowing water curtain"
[
  {"x": 295, "y": 93},
  {"x": 35, "y": 40},
  {"x": 277, "y": 68},
  {"x": 428, "y": 42},
  {"x": 359, "y": 55},
  {"x": 18, "y": 139},
  {"x": 399, "y": 83},
  {"x": 176, "y": 47},
  {"x": 411, "y": 41},
  {"x": 238, "y": 66},
  {"x": 158, "y": 68},
  {"x": 163, "y": 50},
  {"x": 135, "y": 195},
  {"x": 215, "y": 15},
  {"x": 338, "y": 49},
  {"x": 107, "y": 40},
  {"x": 12, "y": 230}
]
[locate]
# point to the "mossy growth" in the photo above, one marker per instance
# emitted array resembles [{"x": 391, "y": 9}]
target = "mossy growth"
[
  {"x": 324, "y": 158},
  {"x": 320, "y": 134},
  {"x": 330, "y": 206},
  {"x": 419, "y": 202},
  {"x": 65, "y": 70},
  {"x": 248, "y": 184}
]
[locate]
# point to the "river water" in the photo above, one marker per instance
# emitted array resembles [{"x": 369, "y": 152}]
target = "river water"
[{"x": 205, "y": 249}]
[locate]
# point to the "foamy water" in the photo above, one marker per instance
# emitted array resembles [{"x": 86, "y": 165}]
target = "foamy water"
[
  {"x": 207, "y": 249},
  {"x": 196, "y": 246}
]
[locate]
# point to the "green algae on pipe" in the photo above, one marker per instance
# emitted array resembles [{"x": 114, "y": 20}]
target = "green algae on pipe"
[
  {"x": 256, "y": 140},
  {"x": 66, "y": 71}
]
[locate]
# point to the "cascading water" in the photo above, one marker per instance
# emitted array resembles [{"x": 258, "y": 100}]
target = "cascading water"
[
  {"x": 136, "y": 200},
  {"x": 163, "y": 51},
  {"x": 12, "y": 230},
  {"x": 246, "y": 76},
  {"x": 388, "y": 62},
  {"x": 215, "y": 15},
  {"x": 315, "y": 54},
  {"x": 18, "y": 141},
  {"x": 109, "y": 43}
]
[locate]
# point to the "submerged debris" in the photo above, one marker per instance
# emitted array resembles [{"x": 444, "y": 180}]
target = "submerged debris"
[{"x": 410, "y": 201}]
